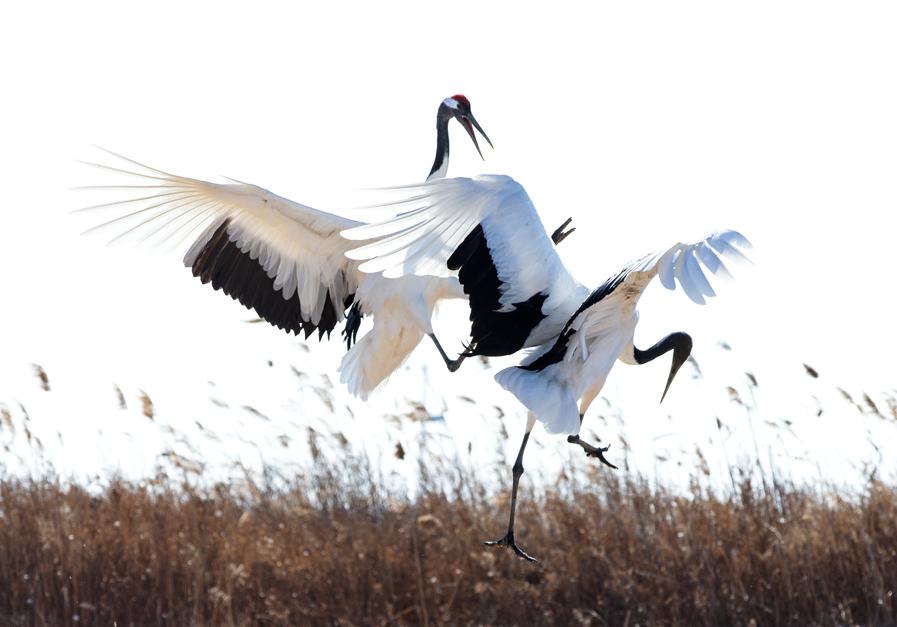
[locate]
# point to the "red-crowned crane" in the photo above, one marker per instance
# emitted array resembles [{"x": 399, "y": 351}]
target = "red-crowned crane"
[
  {"x": 286, "y": 260},
  {"x": 522, "y": 295}
]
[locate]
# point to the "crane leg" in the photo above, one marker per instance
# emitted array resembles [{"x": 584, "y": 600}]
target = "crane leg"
[
  {"x": 451, "y": 364},
  {"x": 508, "y": 540}
]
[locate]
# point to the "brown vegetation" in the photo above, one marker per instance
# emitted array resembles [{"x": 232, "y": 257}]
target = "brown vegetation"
[
  {"x": 343, "y": 543},
  {"x": 338, "y": 547}
]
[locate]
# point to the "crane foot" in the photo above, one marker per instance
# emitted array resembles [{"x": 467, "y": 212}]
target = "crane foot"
[
  {"x": 508, "y": 541},
  {"x": 353, "y": 322},
  {"x": 560, "y": 234},
  {"x": 592, "y": 451}
]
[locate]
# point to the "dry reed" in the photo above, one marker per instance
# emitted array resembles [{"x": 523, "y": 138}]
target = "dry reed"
[
  {"x": 337, "y": 546},
  {"x": 342, "y": 544}
]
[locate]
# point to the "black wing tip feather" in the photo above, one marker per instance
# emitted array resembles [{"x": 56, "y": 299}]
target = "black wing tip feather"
[
  {"x": 468, "y": 247},
  {"x": 598, "y": 294},
  {"x": 554, "y": 355},
  {"x": 602, "y": 291},
  {"x": 234, "y": 272},
  {"x": 493, "y": 333},
  {"x": 557, "y": 351}
]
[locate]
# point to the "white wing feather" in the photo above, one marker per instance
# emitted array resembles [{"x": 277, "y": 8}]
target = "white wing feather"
[
  {"x": 443, "y": 213},
  {"x": 298, "y": 246},
  {"x": 681, "y": 263},
  {"x": 685, "y": 263}
]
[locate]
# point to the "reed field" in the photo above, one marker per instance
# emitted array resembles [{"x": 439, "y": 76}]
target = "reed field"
[{"x": 343, "y": 543}]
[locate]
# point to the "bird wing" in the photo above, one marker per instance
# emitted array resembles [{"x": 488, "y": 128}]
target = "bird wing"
[
  {"x": 486, "y": 229},
  {"x": 606, "y": 308},
  {"x": 283, "y": 259},
  {"x": 550, "y": 380}
]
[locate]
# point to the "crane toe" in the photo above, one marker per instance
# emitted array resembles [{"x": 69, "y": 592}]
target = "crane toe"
[
  {"x": 559, "y": 234},
  {"x": 592, "y": 451},
  {"x": 508, "y": 541}
]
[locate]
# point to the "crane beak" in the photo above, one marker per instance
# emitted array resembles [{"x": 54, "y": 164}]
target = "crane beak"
[
  {"x": 469, "y": 122},
  {"x": 681, "y": 350}
]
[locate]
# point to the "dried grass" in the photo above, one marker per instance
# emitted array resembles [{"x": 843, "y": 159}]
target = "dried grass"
[
  {"x": 339, "y": 547},
  {"x": 342, "y": 544}
]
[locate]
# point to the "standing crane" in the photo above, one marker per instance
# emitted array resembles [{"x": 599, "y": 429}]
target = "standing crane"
[
  {"x": 522, "y": 295},
  {"x": 287, "y": 261}
]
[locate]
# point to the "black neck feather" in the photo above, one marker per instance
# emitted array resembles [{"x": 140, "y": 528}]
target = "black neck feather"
[
  {"x": 678, "y": 342},
  {"x": 442, "y": 139}
]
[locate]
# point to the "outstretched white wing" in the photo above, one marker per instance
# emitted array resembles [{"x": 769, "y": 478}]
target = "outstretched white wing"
[
  {"x": 435, "y": 218},
  {"x": 487, "y": 230},
  {"x": 602, "y": 312},
  {"x": 686, "y": 263},
  {"x": 284, "y": 259}
]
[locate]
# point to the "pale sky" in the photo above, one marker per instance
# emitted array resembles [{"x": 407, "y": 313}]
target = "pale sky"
[{"x": 648, "y": 123}]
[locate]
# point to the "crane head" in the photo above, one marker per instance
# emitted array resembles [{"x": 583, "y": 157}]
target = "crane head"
[{"x": 459, "y": 108}]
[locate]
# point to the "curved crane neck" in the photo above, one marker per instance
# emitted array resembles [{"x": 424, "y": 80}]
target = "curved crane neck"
[
  {"x": 440, "y": 163},
  {"x": 679, "y": 342}
]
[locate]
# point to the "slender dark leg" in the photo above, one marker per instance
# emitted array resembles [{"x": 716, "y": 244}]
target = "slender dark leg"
[
  {"x": 508, "y": 540},
  {"x": 451, "y": 364}
]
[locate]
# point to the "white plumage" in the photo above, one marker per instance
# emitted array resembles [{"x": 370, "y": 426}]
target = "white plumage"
[
  {"x": 602, "y": 331},
  {"x": 288, "y": 261},
  {"x": 298, "y": 248},
  {"x": 436, "y": 218},
  {"x": 522, "y": 295}
]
